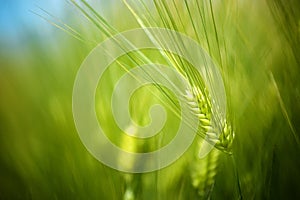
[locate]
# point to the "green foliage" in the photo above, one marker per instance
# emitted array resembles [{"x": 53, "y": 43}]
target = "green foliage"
[{"x": 254, "y": 43}]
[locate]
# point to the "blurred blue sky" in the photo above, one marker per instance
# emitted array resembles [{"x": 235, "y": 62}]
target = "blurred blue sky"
[
  {"x": 18, "y": 23},
  {"x": 19, "y": 26},
  {"x": 15, "y": 15}
]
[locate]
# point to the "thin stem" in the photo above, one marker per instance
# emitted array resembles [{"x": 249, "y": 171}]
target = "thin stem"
[{"x": 237, "y": 177}]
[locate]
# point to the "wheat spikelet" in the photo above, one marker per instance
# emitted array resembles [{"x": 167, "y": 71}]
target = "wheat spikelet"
[{"x": 201, "y": 107}]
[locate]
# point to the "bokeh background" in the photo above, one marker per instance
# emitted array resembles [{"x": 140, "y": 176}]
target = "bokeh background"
[{"x": 42, "y": 157}]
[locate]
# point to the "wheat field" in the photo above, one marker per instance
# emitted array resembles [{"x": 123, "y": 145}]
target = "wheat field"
[{"x": 255, "y": 45}]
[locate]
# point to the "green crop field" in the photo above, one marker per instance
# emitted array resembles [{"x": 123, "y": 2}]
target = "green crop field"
[{"x": 253, "y": 148}]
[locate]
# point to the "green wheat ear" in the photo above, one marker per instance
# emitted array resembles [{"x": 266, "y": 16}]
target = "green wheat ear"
[
  {"x": 167, "y": 16},
  {"x": 203, "y": 172},
  {"x": 200, "y": 106}
]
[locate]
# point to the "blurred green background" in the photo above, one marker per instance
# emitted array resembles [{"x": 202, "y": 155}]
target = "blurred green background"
[{"x": 42, "y": 156}]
